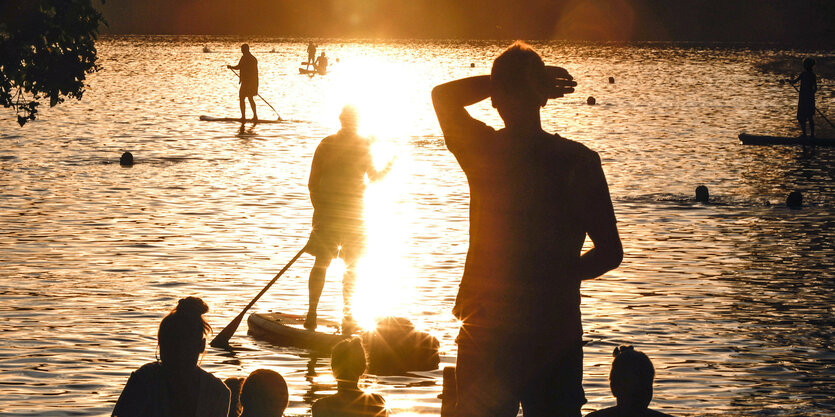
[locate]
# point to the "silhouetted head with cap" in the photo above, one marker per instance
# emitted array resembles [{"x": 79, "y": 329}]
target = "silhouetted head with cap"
[
  {"x": 348, "y": 360},
  {"x": 631, "y": 378},
  {"x": 181, "y": 337}
]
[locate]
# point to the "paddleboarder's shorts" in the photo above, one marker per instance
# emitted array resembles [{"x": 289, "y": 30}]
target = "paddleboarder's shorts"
[
  {"x": 805, "y": 107},
  {"x": 248, "y": 90},
  {"x": 344, "y": 239},
  {"x": 497, "y": 371}
]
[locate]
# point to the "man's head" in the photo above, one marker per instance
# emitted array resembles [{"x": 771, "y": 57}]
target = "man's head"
[
  {"x": 264, "y": 393},
  {"x": 808, "y": 63},
  {"x": 631, "y": 377},
  {"x": 519, "y": 82},
  {"x": 349, "y": 118},
  {"x": 245, "y": 48},
  {"x": 348, "y": 360}
]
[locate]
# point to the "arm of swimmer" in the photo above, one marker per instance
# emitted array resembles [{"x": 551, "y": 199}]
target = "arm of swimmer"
[
  {"x": 602, "y": 229},
  {"x": 450, "y": 100}
]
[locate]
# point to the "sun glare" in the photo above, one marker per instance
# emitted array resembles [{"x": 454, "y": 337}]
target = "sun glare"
[{"x": 370, "y": 81}]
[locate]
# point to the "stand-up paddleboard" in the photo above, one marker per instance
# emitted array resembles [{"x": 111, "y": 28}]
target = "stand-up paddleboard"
[
  {"x": 288, "y": 330},
  {"x": 237, "y": 120},
  {"x": 306, "y": 71},
  {"x": 747, "y": 139}
]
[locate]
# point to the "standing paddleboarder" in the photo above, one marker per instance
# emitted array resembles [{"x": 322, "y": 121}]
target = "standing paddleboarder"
[
  {"x": 337, "y": 186},
  {"x": 311, "y": 54},
  {"x": 806, "y": 99},
  {"x": 248, "y": 66}
]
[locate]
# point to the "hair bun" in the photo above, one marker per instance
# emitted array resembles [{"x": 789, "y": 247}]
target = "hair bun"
[
  {"x": 622, "y": 348},
  {"x": 191, "y": 306}
]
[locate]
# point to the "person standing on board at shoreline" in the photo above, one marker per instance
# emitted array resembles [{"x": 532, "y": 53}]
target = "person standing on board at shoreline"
[
  {"x": 806, "y": 99},
  {"x": 249, "y": 80},
  {"x": 311, "y": 54},
  {"x": 337, "y": 185},
  {"x": 534, "y": 196}
]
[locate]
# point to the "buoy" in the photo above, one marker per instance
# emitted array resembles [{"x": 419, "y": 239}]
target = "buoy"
[
  {"x": 702, "y": 194},
  {"x": 126, "y": 160},
  {"x": 611, "y": 80},
  {"x": 472, "y": 64},
  {"x": 591, "y": 101},
  {"x": 794, "y": 200}
]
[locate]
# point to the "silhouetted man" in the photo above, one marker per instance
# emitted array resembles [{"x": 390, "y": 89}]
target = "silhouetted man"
[
  {"x": 806, "y": 98},
  {"x": 534, "y": 196},
  {"x": 311, "y": 54},
  {"x": 337, "y": 186},
  {"x": 249, "y": 80}
]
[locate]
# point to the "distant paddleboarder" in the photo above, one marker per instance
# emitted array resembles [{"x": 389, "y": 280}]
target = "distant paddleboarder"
[
  {"x": 311, "y": 54},
  {"x": 806, "y": 100},
  {"x": 337, "y": 184},
  {"x": 248, "y": 66}
]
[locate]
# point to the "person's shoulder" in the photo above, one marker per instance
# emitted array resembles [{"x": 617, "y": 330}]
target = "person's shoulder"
[
  {"x": 149, "y": 369},
  {"x": 606, "y": 412},
  {"x": 323, "y": 406},
  {"x": 574, "y": 149},
  {"x": 653, "y": 413},
  {"x": 375, "y": 399},
  {"x": 214, "y": 383}
]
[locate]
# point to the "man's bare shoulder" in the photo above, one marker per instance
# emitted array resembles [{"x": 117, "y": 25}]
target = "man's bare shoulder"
[{"x": 575, "y": 150}]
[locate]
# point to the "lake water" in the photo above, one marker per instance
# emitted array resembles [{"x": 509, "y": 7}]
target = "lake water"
[{"x": 733, "y": 301}]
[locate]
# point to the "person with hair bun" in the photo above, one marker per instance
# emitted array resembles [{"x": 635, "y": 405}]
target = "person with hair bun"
[
  {"x": 631, "y": 382},
  {"x": 175, "y": 385},
  {"x": 348, "y": 363}
]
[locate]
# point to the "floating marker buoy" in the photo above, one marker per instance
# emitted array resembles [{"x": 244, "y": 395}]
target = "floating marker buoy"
[
  {"x": 702, "y": 194},
  {"x": 611, "y": 80},
  {"x": 126, "y": 160},
  {"x": 794, "y": 200},
  {"x": 472, "y": 64},
  {"x": 591, "y": 101}
]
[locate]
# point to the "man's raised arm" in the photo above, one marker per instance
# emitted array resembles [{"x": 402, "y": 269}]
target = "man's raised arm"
[{"x": 450, "y": 100}]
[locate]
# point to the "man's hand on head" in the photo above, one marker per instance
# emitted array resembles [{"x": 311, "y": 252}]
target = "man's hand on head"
[{"x": 560, "y": 82}]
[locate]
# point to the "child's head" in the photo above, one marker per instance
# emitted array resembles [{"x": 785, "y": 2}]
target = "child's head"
[
  {"x": 631, "y": 377},
  {"x": 808, "y": 63},
  {"x": 264, "y": 393},
  {"x": 348, "y": 360}
]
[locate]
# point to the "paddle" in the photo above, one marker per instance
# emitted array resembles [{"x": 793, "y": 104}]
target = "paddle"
[
  {"x": 816, "y": 109},
  {"x": 222, "y": 338},
  {"x": 259, "y": 96}
]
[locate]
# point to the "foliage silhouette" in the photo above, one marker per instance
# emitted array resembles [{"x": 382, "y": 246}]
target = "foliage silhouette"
[{"x": 47, "y": 48}]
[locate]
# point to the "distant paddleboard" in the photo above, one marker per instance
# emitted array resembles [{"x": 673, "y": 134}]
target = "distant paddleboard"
[
  {"x": 306, "y": 71},
  {"x": 236, "y": 120},
  {"x": 747, "y": 139}
]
